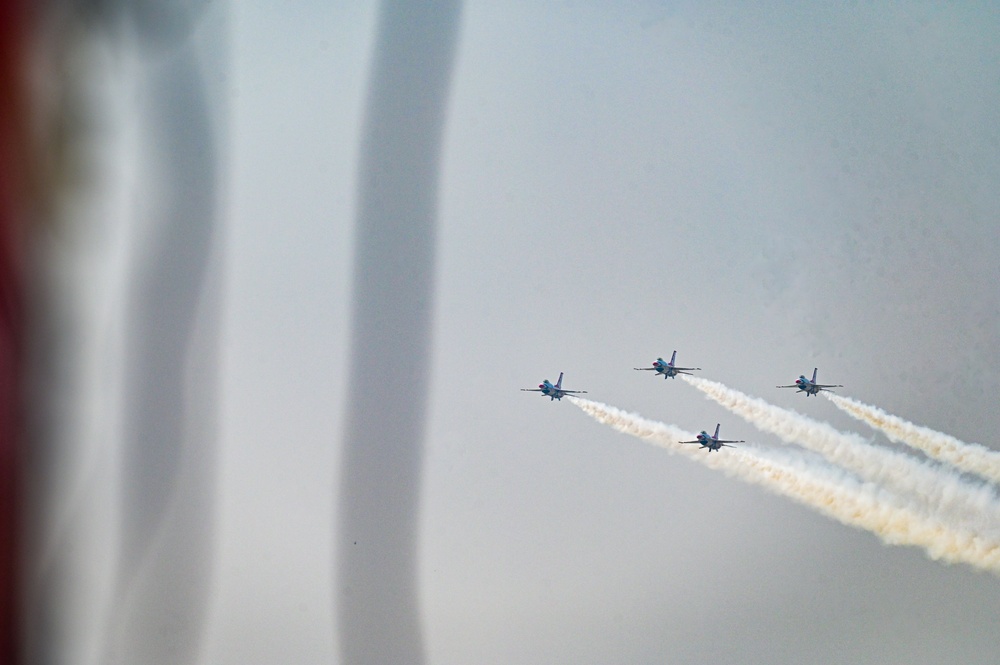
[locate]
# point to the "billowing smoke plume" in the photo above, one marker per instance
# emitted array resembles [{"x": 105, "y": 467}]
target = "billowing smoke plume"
[
  {"x": 968, "y": 457},
  {"x": 939, "y": 492},
  {"x": 894, "y": 517}
]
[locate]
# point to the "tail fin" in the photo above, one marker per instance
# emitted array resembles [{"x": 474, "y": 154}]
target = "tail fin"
[
  {"x": 559, "y": 382},
  {"x": 814, "y": 374},
  {"x": 673, "y": 358},
  {"x": 716, "y": 431}
]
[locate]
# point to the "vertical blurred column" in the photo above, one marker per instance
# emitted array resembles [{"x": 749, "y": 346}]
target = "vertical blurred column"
[
  {"x": 169, "y": 450},
  {"x": 152, "y": 608},
  {"x": 376, "y": 596}
]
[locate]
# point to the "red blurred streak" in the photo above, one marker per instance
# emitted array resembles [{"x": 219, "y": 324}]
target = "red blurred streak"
[{"x": 14, "y": 200}]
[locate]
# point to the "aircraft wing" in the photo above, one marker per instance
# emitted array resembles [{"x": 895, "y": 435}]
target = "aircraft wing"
[
  {"x": 651, "y": 369},
  {"x": 832, "y": 385},
  {"x": 725, "y": 441},
  {"x": 531, "y": 390},
  {"x": 795, "y": 386},
  {"x": 681, "y": 369},
  {"x": 570, "y": 392}
]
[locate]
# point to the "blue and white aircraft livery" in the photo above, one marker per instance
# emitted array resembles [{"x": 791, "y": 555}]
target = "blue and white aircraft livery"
[
  {"x": 712, "y": 442},
  {"x": 552, "y": 391},
  {"x": 811, "y": 387},
  {"x": 668, "y": 369}
]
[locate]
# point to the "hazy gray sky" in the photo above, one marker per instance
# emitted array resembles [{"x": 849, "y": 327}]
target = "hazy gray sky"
[{"x": 766, "y": 189}]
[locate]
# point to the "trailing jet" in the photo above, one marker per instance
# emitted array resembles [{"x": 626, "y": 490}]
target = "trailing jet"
[
  {"x": 811, "y": 387},
  {"x": 552, "y": 391},
  {"x": 667, "y": 369},
  {"x": 712, "y": 442}
]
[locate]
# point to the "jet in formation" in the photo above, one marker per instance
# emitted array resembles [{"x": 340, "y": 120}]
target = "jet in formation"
[
  {"x": 552, "y": 391},
  {"x": 712, "y": 442},
  {"x": 810, "y": 387},
  {"x": 667, "y": 369}
]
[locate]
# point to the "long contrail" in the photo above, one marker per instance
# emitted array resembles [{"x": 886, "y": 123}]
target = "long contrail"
[
  {"x": 941, "y": 493},
  {"x": 969, "y": 457},
  {"x": 828, "y": 490}
]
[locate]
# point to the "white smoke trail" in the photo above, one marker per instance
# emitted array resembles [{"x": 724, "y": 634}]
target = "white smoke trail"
[
  {"x": 941, "y": 493},
  {"x": 969, "y": 457},
  {"x": 828, "y": 490}
]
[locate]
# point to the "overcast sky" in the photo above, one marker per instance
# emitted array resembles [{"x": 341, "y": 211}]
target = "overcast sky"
[{"x": 765, "y": 189}]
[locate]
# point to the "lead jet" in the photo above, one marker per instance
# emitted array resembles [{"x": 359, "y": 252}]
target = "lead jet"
[
  {"x": 552, "y": 391},
  {"x": 810, "y": 387},
  {"x": 712, "y": 442},
  {"x": 667, "y": 369}
]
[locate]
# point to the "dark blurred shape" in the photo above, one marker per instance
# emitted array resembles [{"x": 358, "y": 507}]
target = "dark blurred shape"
[
  {"x": 377, "y": 604},
  {"x": 15, "y": 189}
]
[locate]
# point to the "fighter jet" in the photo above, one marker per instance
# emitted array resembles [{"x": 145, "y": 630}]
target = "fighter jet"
[
  {"x": 552, "y": 391},
  {"x": 712, "y": 442},
  {"x": 667, "y": 369},
  {"x": 810, "y": 387}
]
